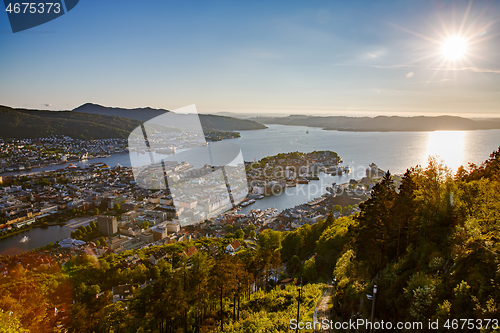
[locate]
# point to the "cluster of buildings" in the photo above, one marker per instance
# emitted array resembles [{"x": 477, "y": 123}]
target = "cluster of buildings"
[
  {"x": 200, "y": 193},
  {"x": 144, "y": 217},
  {"x": 25, "y": 154},
  {"x": 273, "y": 174},
  {"x": 131, "y": 216},
  {"x": 49, "y": 194},
  {"x": 35, "y": 260}
]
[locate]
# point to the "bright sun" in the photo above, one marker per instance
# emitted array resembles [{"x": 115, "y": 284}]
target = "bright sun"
[{"x": 454, "y": 48}]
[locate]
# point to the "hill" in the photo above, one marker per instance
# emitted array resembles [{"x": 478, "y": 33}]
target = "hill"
[
  {"x": 215, "y": 122},
  {"x": 92, "y": 121},
  {"x": 23, "y": 123},
  {"x": 384, "y": 123}
]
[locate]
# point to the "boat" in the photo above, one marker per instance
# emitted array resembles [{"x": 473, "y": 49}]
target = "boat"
[
  {"x": 251, "y": 201},
  {"x": 260, "y": 197},
  {"x": 167, "y": 151},
  {"x": 303, "y": 181},
  {"x": 24, "y": 239},
  {"x": 307, "y": 132}
]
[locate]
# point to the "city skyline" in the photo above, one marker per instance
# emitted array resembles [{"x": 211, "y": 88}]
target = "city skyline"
[{"x": 364, "y": 59}]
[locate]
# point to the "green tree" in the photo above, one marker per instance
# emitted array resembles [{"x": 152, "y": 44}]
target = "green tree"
[
  {"x": 228, "y": 228},
  {"x": 375, "y": 223},
  {"x": 310, "y": 272},
  {"x": 116, "y": 207},
  {"x": 240, "y": 234}
]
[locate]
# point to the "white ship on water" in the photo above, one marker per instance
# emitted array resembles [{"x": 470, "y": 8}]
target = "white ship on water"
[{"x": 24, "y": 239}]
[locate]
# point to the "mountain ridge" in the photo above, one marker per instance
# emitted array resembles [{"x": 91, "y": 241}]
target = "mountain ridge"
[
  {"x": 216, "y": 122},
  {"x": 32, "y": 123},
  {"x": 383, "y": 123}
]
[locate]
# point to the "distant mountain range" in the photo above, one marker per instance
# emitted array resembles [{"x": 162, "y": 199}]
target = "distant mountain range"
[
  {"x": 383, "y": 123},
  {"x": 91, "y": 121},
  {"x": 215, "y": 122}
]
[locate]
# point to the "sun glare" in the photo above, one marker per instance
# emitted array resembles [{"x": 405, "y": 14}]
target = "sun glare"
[
  {"x": 448, "y": 146},
  {"x": 454, "y": 48}
]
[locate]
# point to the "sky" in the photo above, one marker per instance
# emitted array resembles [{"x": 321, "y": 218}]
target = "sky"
[{"x": 260, "y": 57}]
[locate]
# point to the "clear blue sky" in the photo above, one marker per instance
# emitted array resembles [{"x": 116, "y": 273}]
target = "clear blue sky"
[{"x": 318, "y": 57}]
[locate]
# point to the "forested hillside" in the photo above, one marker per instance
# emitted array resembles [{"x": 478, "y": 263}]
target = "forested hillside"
[
  {"x": 23, "y": 123},
  {"x": 431, "y": 246},
  {"x": 208, "y": 121},
  {"x": 103, "y": 123}
]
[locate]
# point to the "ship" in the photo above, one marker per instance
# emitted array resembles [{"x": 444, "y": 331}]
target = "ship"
[{"x": 25, "y": 239}]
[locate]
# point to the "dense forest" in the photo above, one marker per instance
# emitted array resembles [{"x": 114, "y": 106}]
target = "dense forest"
[{"x": 431, "y": 246}]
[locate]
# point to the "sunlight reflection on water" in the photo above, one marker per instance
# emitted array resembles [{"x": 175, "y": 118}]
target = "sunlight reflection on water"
[{"x": 448, "y": 146}]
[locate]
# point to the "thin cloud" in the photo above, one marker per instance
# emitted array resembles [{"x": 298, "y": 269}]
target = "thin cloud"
[
  {"x": 437, "y": 81},
  {"x": 385, "y": 90},
  {"x": 470, "y": 69},
  {"x": 390, "y": 66}
]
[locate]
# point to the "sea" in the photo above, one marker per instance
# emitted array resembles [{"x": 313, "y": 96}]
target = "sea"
[{"x": 393, "y": 151}]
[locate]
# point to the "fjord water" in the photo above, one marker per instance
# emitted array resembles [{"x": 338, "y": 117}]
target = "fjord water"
[{"x": 394, "y": 151}]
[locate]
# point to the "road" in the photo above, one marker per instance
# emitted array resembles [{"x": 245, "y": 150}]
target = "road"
[{"x": 321, "y": 312}]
